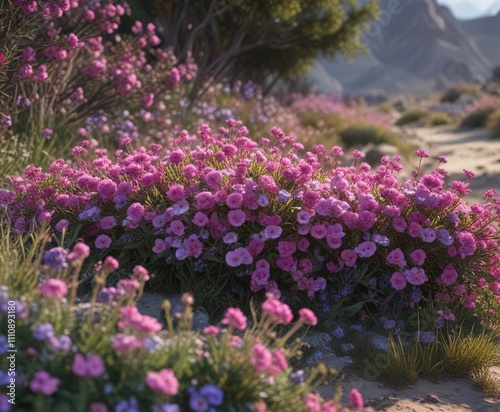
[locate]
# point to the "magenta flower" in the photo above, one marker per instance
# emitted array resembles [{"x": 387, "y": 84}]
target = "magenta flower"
[
  {"x": 163, "y": 381},
  {"x": 261, "y": 357},
  {"x": 44, "y": 383},
  {"x": 80, "y": 252},
  {"x": 91, "y": 366},
  {"x": 356, "y": 399},
  {"x": 416, "y": 276},
  {"x": 54, "y": 288},
  {"x": 308, "y": 317},
  {"x": 236, "y": 217},
  {"x": 398, "y": 281},
  {"x": 235, "y": 318},
  {"x": 273, "y": 232},
  {"x": 102, "y": 242}
]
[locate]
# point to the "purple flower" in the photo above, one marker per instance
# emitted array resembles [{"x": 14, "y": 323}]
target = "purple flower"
[
  {"x": 425, "y": 337},
  {"x": 338, "y": 332},
  {"x": 43, "y": 331},
  {"x": 166, "y": 407},
  {"x": 298, "y": 377},
  {"x": 56, "y": 258},
  {"x": 4, "y": 344}
]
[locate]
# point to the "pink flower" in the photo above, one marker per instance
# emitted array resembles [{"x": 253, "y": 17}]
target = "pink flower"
[
  {"x": 98, "y": 407},
  {"x": 349, "y": 257},
  {"x": 177, "y": 227},
  {"x": 416, "y": 276},
  {"x": 80, "y": 252},
  {"x": 236, "y": 217},
  {"x": 366, "y": 249},
  {"x": 200, "y": 219},
  {"x": 44, "y": 383},
  {"x": 279, "y": 311},
  {"x": 102, "y": 242},
  {"x": 135, "y": 211},
  {"x": 396, "y": 257},
  {"x": 235, "y": 318},
  {"x": 92, "y": 366},
  {"x": 176, "y": 193},
  {"x": 107, "y": 222},
  {"x": 356, "y": 399},
  {"x": 163, "y": 381},
  {"x": 140, "y": 273},
  {"x": 398, "y": 281},
  {"x": 418, "y": 257},
  {"x": 107, "y": 189},
  {"x": 318, "y": 231},
  {"x": 449, "y": 275},
  {"x": 234, "y": 200},
  {"x": 111, "y": 264},
  {"x": 308, "y": 317},
  {"x": 126, "y": 343},
  {"x": 261, "y": 358},
  {"x": 54, "y": 288},
  {"x": 211, "y": 330}
]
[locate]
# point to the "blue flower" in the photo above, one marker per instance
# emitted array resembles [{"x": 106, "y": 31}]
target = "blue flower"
[
  {"x": 127, "y": 406},
  {"x": 198, "y": 403},
  {"x": 213, "y": 394}
]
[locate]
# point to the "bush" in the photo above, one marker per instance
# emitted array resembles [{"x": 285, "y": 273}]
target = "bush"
[
  {"x": 412, "y": 116},
  {"x": 439, "y": 119},
  {"x": 361, "y": 135},
  {"x": 225, "y": 217},
  {"x": 132, "y": 364},
  {"x": 455, "y": 93},
  {"x": 494, "y": 123},
  {"x": 477, "y": 119}
]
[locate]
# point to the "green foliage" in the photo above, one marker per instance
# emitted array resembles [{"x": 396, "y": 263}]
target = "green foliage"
[
  {"x": 412, "y": 116},
  {"x": 494, "y": 123},
  {"x": 464, "y": 354},
  {"x": 363, "y": 134},
  {"x": 439, "y": 119},
  {"x": 260, "y": 40},
  {"x": 455, "y": 93},
  {"x": 477, "y": 119}
]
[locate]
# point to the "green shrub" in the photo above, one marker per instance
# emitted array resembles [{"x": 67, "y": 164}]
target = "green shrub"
[
  {"x": 363, "y": 134},
  {"x": 477, "y": 118},
  {"x": 494, "y": 123},
  {"x": 412, "y": 116},
  {"x": 439, "y": 119},
  {"x": 454, "y": 93}
]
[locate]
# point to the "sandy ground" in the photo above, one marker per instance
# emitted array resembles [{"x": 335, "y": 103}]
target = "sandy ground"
[
  {"x": 452, "y": 395},
  {"x": 464, "y": 149}
]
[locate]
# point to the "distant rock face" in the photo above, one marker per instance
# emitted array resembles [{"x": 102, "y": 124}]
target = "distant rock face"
[
  {"x": 486, "y": 33},
  {"x": 417, "y": 46}
]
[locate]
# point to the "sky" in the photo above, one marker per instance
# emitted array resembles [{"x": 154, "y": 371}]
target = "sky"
[{"x": 470, "y": 8}]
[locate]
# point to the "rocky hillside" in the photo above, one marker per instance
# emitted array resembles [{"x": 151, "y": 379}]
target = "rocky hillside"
[
  {"x": 416, "y": 48},
  {"x": 486, "y": 33}
]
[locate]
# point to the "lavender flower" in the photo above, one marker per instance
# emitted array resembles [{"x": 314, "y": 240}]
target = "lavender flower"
[
  {"x": 56, "y": 258},
  {"x": 43, "y": 331}
]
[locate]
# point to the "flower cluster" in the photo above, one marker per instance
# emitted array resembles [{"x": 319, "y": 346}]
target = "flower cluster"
[
  {"x": 134, "y": 364},
  {"x": 270, "y": 219}
]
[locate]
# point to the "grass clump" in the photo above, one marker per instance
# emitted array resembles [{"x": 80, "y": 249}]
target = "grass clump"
[
  {"x": 412, "y": 116},
  {"x": 439, "y": 119},
  {"x": 494, "y": 123},
  {"x": 477, "y": 119},
  {"x": 363, "y": 134}
]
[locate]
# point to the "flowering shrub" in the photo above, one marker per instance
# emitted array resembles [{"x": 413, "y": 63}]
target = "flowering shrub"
[
  {"x": 68, "y": 66},
  {"x": 225, "y": 217},
  {"x": 134, "y": 365}
]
